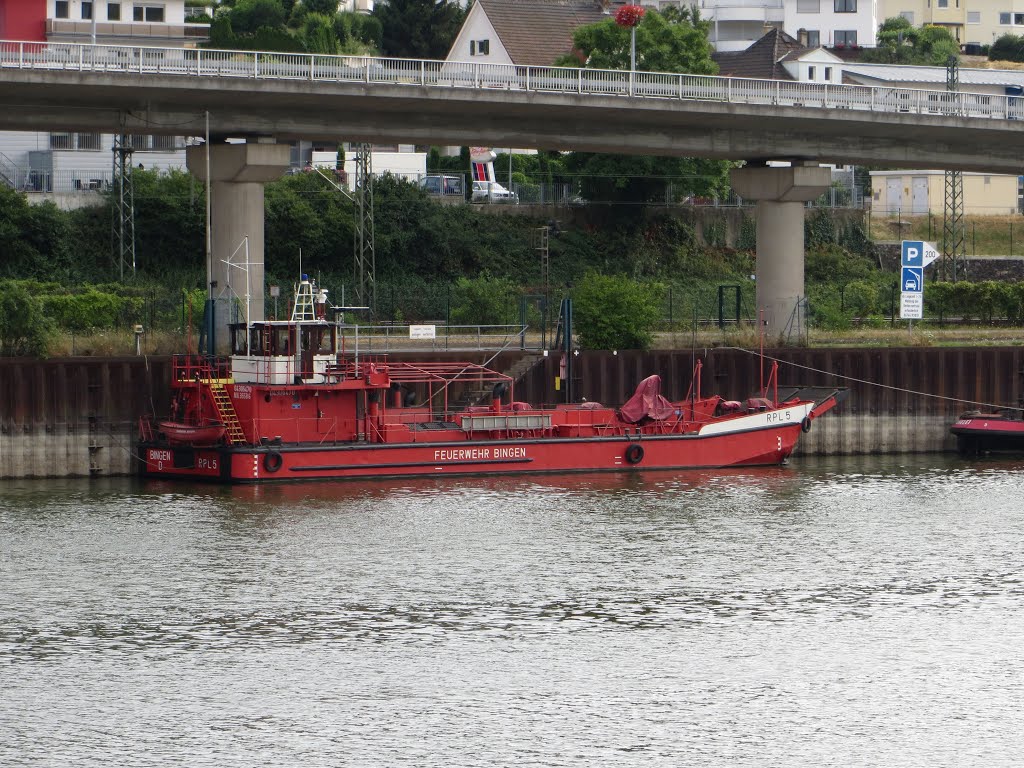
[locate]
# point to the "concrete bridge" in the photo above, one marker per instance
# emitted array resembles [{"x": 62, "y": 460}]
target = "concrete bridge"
[{"x": 270, "y": 96}]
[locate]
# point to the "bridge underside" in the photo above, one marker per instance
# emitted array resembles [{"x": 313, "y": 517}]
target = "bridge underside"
[{"x": 103, "y": 102}]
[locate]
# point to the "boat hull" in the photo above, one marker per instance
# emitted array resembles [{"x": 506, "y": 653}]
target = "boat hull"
[
  {"x": 986, "y": 433},
  {"x": 245, "y": 464}
]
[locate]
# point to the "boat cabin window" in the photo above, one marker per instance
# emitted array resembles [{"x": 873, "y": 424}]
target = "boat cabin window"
[{"x": 279, "y": 340}]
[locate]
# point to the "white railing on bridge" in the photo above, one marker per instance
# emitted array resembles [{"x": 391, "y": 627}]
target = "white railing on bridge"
[{"x": 202, "y": 63}]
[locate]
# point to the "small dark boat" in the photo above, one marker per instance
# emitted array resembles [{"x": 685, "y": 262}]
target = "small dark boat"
[{"x": 980, "y": 432}]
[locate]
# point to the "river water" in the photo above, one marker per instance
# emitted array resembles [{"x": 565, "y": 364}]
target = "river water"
[{"x": 847, "y": 612}]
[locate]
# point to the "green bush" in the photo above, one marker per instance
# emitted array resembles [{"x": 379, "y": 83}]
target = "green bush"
[
  {"x": 92, "y": 309},
  {"x": 861, "y": 298},
  {"x": 615, "y": 312},
  {"x": 1007, "y": 48},
  {"x": 485, "y": 300},
  {"x": 25, "y": 328}
]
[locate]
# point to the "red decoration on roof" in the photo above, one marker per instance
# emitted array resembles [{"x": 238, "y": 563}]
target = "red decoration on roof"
[{"x": 629, "y": 15}]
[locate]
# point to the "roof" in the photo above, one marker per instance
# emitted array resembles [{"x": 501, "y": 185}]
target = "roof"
[
  {"x": 910, "y": 73},
  {"x": 763, "y": 59},
  {"x": 537, "y": 32}
]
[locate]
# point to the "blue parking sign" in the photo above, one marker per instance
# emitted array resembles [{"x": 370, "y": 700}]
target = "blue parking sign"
[
  {"x": 912, "y": 280},
  {"x": 912, "y": 253}
]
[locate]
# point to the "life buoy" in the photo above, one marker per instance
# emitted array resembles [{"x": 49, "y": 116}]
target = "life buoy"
[
  {"x": 272, "y": 462},
  {"x": 634, "y": 453},
  {"x": 805, "y": 425}
]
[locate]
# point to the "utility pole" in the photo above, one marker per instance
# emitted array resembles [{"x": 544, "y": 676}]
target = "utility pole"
[
  {"x": 365, "y": 258},
  {"x": 123, "y": 224},
  {"x": 954, "y": 230}
]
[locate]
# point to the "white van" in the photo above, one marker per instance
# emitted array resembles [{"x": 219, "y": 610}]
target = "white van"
[{"x": 492, "y": 192}]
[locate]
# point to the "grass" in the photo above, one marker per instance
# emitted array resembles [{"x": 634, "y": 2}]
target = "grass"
[
  {"x": 899, "y": 335},
  {"x": 985, "y": 235},
  {"x": 118, "y": 343}
]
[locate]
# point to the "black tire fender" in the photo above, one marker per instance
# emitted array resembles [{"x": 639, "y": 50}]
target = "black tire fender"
[
  {"x": 805, "y": 425},
  {"x": 272, "y": 461},
  {"x": 634, "y": 454}
]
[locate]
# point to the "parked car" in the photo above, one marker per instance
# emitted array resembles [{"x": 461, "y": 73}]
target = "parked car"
[
  {"x": 492, "y": 192},
  {"x": 439, "y": 184}
]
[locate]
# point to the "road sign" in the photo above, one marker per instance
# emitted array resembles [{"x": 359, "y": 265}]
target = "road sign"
[
  {"x": 911, "y": 306},
  {"x": 912, "y": 280},
  {"x": 917, "y": 253}
]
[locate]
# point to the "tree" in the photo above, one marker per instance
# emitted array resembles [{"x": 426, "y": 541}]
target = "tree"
[
  {"x": 615, "y": 312},
  {"x": 669, "y": 41},
  {"x": 24, "y": 328},
  {"x": 324, "y": 7},
  {"x": 318, "y": 35},
  {"x": 899, "y": 42},
  {"x": 249, "y": 15},
  {"x": 418, "y": 29},
  {"x": 673, "y": 41}
]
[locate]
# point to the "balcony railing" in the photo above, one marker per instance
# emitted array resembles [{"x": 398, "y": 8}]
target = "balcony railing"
[{"x": 126, "y": 29}]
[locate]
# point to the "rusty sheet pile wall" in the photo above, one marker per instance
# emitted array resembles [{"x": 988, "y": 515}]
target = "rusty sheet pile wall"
[
  {"x": 79, "y": 416},
  {"x": 75, "y": 417},
  {"x": 901, "y": 400}
]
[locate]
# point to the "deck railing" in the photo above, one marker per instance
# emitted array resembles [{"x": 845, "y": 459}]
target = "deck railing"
[{"x": 259, "y": 65}]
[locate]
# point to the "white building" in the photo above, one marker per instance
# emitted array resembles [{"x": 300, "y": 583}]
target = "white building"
[{"x": 70, "y": 167}]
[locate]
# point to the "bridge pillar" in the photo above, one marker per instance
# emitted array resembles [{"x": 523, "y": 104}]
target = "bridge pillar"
[
  {"x": 237, "y": 175},
  {"x": 780, "y": 194}
]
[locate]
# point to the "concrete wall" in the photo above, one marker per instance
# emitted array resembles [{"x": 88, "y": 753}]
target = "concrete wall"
[{"x": 78, "y": 416}]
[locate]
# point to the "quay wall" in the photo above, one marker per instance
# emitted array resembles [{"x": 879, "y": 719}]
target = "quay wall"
[
  {"x": 78, "y": 416},
  {"x": 901, "y": 400}
]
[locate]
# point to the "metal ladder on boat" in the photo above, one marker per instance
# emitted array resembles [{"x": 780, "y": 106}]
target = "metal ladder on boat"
[{"x": 226, "y": 412}]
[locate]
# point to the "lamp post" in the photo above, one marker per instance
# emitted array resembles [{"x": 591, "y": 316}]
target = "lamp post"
[{"x": 629, "y": 16}]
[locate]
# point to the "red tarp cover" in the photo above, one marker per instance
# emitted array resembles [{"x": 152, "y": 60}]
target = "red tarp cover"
[{"x": 647, "y": 402}]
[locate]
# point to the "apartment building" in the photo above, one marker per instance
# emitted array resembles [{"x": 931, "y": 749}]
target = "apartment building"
[
  {"x": 69, "y": 167},
  {"x": 977, "y": 22}
]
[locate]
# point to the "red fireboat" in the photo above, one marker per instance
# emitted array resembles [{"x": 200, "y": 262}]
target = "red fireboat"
[{"x": 291, "y": 403}]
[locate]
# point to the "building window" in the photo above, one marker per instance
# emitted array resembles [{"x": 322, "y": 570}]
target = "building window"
[
  {"x": 828, "y": 74},
  {"x": 61, "y": 141},
  {"x": 988, "y": 179},
  {"x": 846, "y": 37},
  {"x": 86, "y": 9},
  {"x": 1004, "y": 17},
  {"x": 942, "y": 3},
  {"x": 479, "y": 47},
  {"x": 909, "y": 16},
  {"x": 845, "y": 6},
  {"x": 151, "y": 13},
  {"x": 813, "y": 38},
  {"x": 808, "y": 6},
  {"x": 165, "y": 143},
  {"x": 89, "y": 141},
  {"x": 113, "y": 11},
  {"x": 1018, "y": 18},
  {"x": 62, "y": 10},
  {"x": 810, "y": 73},
  {"x": 974, "y": 17}
]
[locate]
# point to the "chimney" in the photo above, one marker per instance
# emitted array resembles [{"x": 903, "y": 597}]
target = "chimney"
[{"x": 801, "y": 35}]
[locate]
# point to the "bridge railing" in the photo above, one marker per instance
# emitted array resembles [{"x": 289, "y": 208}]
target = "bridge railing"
[{"x": 260, "y": 65}]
